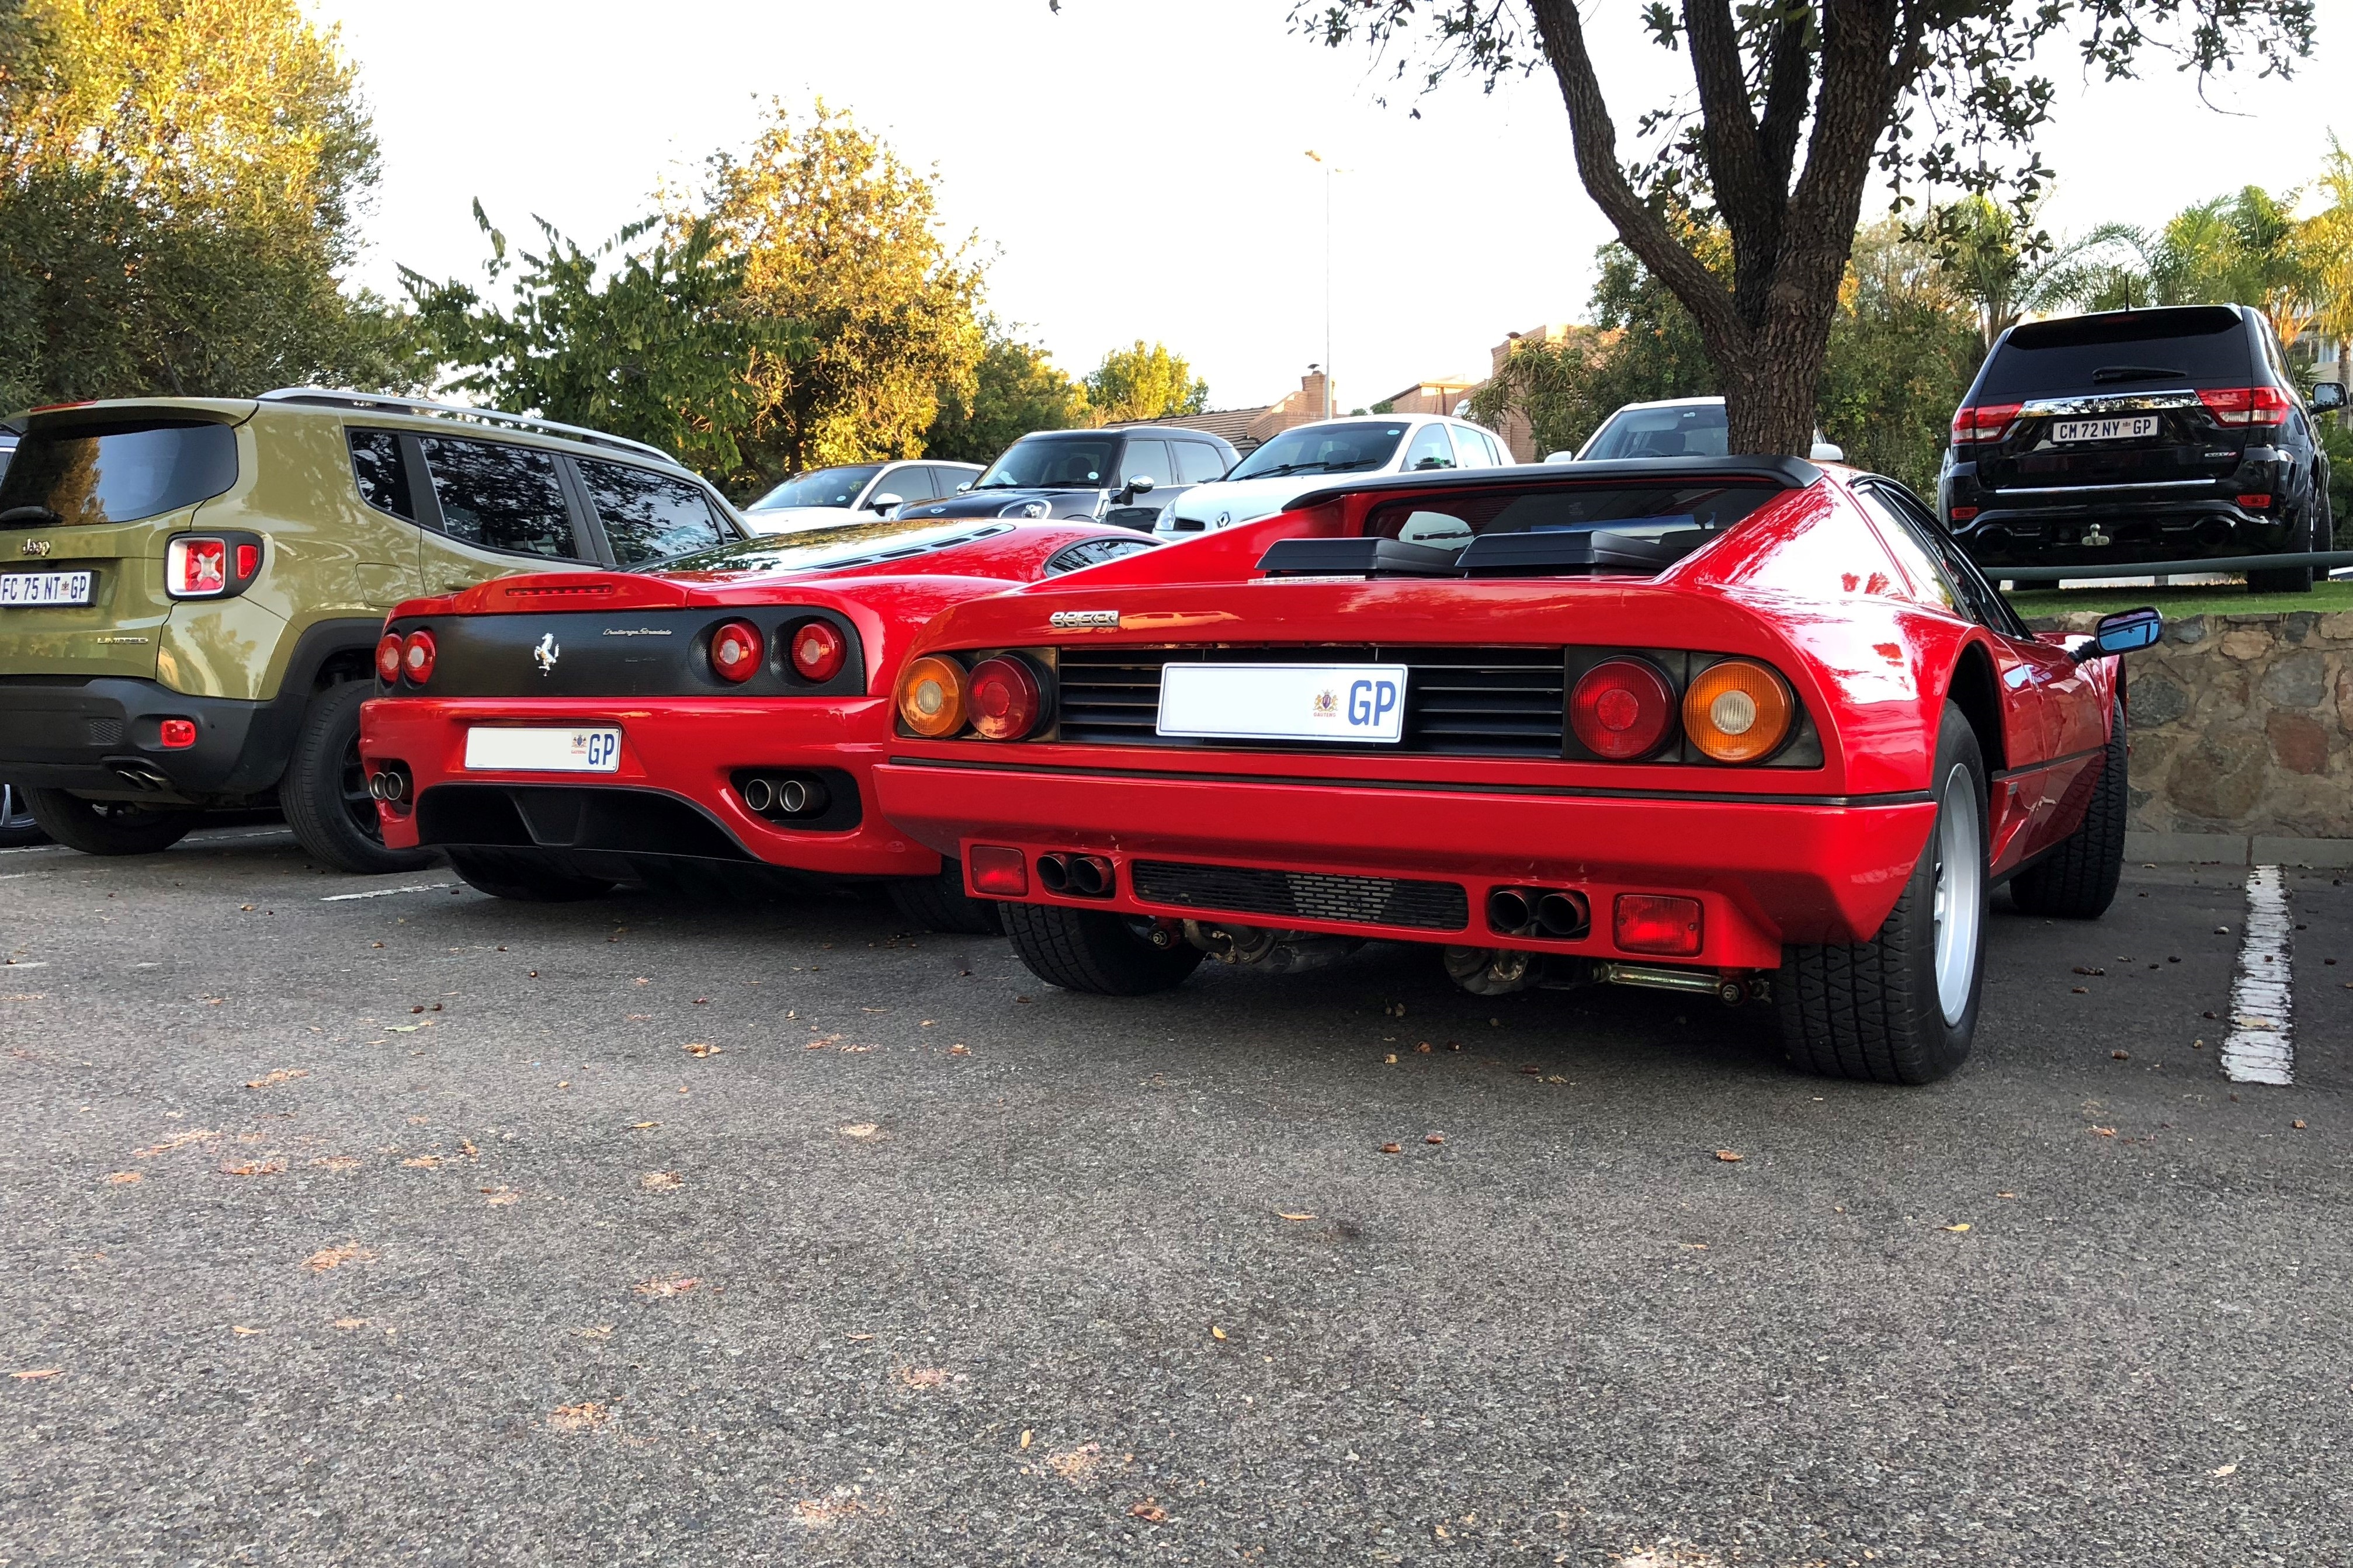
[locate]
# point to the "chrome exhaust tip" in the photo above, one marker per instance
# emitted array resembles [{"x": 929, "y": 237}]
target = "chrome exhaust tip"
[{"x": 758, "y": 792}]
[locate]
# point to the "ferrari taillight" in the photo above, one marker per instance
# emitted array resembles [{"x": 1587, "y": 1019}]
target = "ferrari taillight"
[
  {"x": 387, "y": 658},
  {"x": 417, "y": 654},
  {"x": 2239, "y": 407},
  {"x": 1003, "y": 697},
  {"x": 735, "y": 650},
  {"x": 1620, "y": 708},
  {"x": 1737, "y": 710},
  {"x": 932, "y": 697},
  {"x": 818, "y": 651}
]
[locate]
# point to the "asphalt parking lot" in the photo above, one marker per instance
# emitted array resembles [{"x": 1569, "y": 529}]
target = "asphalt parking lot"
[{"x": 419, "y": 1227}]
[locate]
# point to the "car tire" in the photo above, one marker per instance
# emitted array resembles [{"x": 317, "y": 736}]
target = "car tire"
[
  {"x": 1902, "y": 1008},
  {"x": 938, "y": 902},
  {"x": 2290, "y": 579},
  {"x": 324, "y": 791},
  {"x": 525, "y": 878},
  {"x": 18, "y": 827},
  {"x": 1094, "y": 950},
  {"x": 2077, "y": 880},
  {"x": 109, "y": 826}
]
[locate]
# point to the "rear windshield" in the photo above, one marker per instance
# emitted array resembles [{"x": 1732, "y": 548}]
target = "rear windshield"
[
  {"x": 831, "y": 549},
  {"x": 2123, "y": 350},
  {"x": 1685, "y": 432},
  {"x": 80, "y": 474},
  {"x": 1449, "y": 522}
]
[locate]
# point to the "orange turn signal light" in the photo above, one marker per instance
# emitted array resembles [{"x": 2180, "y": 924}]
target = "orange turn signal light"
[
  {"x": 1738, "y": 710},
  {"x": 932, "y": 697}
]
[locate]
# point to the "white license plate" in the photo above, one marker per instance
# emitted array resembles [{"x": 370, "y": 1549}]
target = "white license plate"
[
  {"x": 2131, "y": 427},
  {"x": 44, "y": 588},
  {"x": 543, "y": 751},
  {"x": 1359, "y": 702}
]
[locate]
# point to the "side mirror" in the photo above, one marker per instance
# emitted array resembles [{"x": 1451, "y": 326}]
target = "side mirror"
[
  {"x": 1140, "y": 485},
  {"x": 1828, "y": 452},
  {"x": 2327, "y": 396},
  {"x": 2126, "y": 631},
  {"x": 885, "y": 501},
  {"x": 964, "y": 487},
  {"x": 1560, "y": 457}
]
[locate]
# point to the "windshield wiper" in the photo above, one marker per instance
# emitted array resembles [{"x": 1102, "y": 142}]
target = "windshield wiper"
[
  {"x": 35, "y": 513},
  {"x": 2134, "y": 373}
]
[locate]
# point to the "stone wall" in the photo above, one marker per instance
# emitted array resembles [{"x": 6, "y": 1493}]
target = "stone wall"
[{"x": 2241, "y": 730}]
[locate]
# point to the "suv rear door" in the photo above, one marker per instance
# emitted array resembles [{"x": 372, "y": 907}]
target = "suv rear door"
[{"x": 2113, "y": 400}]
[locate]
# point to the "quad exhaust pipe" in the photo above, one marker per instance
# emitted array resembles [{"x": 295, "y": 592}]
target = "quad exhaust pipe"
[
  {"x": 783, "y": 794},
  {"x": 1560, "y": 913},
  {"x": 1077, "y": 876},
  {"x": 390, "y": 784}
]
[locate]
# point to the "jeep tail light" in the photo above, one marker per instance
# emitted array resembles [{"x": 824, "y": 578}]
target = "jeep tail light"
[
  {"x": 1738, "y": 710},
  {"x": 417, "y": 651},
  {"x": 1654, "y": 923},
  {"x": 1983, "y": 422},
  {"x": 196, "y": 568},
  {"x": 2239, "y": 407},
  {"x": 735, "y": 650},
  {"x": 178, "y": 735},
  {"x": 1620, "y": 708},
  {"x": 387, "y": 658},
  {"x": 999, "y": 870},
  {"x": 932, "y": 697},
  {"x": 819, "y": 650},
  {"x": 1003, "y": 697}
]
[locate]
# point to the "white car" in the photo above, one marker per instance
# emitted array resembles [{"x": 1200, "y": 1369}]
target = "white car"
[
  {"x": 1308, "y": 456},
  {"x": 825, "y": 498},
  {"x": 1672, "y": 428}
]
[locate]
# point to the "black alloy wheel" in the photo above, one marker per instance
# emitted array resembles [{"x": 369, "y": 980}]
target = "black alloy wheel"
[
  {"x": 18, "y": 827},
  {"x": 324, "y": 792}
]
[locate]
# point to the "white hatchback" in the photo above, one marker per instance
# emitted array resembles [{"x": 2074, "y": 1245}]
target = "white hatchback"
[
  {"x": 854, "y": 492},
  {"x": 1310, "y": 457}
]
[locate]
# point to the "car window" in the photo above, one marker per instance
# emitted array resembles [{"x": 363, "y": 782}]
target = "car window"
[
  {"x": 647, "y": 516},
  {"x": 1982, "y": 601},
  {"x": 1473, "y": 448},
  {"x": 500, "y": 497},
  {"x": 1693, "y": 430},
  {"x": 83, "y": 474},
  {"x": 820, "y": 487},
  {"x": 1050, "y": 462},
  {"x": 2204, "y": 345},
  {"x": 1430, "y": 449},
  {"x": 1448, "y": 520},
  {"x": 1198, "y": 463},
  {"x": 382, "y": 473},
  {"x": 1914, "y": 553},
  {"x": 1093, "y": 552},
  {"x": 1352, "y": 448},
  {"x": 1146, "y": 460}
]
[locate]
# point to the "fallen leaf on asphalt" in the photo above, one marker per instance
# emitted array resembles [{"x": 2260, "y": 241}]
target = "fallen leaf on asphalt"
[
  {"x": 861, "y": 1130},
  {"x": 2081, "y": 990},
  {"x": 328, "y": 1258},
  {"x": 1729, "y": 1157},
  {"x": 661, "y": 1181},
  {"x": 842, "y": 1503},
  {"x": 2298, "y": 1125},
  {"x": 241, "y": 1331},
  {"x": 2086, "y": 968},
  {"x": 1422, "y": 1049},
  {"x": 701, "y": 1048},
  {"x": 1392, "y": 1148},
  {"x": 254, "y": 1168},
  {"x": 34, "y": 1373},
  {"x": 2005, "y": 1194},
  {"x": 860, "y": 1339},
  {"x": 466, "y": 1147},
  {"x": 2121, "y": 1056},
  {"x": 642, "y": 1126},
  {"x": 1962, "y": 1227},
  {"x": 283, "y": 1075},
  {"x": 922, "y": 1376},
  {"x": 1435, "y": 1137},
  {"x": 247, "y": 908},
  {"x": 585, "y": 1416},
  {"x": 1076, "y": 1465},
  {"x": 2104, "y": 1131},
  {"x": 1025, "y": 1437},
  {"x": 124, "y": 1178},
  {"x": 422, "y": 1162},
  {"x": 959, "y": 1051},
  {"x": 1281, "y": 1214},
  {"x": 658, "y": 1289},
  {"x": 601, "y": 1331},
  {"x": 1149, "y": 1512},
  {"x": 2218, "y": 1474},
  {"x": 177, "y": 1141},
  {"x": 339, "y": 1163},
  {"x": 1216, "y": 1332},
  {"x": 350, "y": 1323},
  {"x": 641, "y": 980},
  {"x": 1533, "y": 1071},
  {"x": 499, "y": 1197}
]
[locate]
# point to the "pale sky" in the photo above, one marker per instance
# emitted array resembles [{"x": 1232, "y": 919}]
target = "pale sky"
[{"x": 1139, "y": 164}]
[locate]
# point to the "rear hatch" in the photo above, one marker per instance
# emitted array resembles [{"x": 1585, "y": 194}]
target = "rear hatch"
[
  {"x": 86, "y": 507},
  {"x": 2114, "y": 400}
]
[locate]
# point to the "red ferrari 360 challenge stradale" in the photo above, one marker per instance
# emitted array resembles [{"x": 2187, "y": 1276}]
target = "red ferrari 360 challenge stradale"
[
  {"x": 1744, "y": 727},
  {"x": 560, "y": 732}
]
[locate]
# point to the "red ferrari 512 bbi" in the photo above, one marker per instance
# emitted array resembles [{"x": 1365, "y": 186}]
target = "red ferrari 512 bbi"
[
  {"x": 557, "y": 733},
  {"x": 1742, "y": 726}
]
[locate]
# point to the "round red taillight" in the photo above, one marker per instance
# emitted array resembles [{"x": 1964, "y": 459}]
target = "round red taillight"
[
  {"x": 1003, "y": 699},
  {"x": 387, "y": 658},
  {"x": 1622, "y": 708},
  {"x": 819, "y": 650},
  {"x": 416, "y": 652},
  {"x": 735, "y": 650}
]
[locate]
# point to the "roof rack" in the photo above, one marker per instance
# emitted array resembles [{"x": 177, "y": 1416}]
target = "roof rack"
[{"x": 334, "y": 398}]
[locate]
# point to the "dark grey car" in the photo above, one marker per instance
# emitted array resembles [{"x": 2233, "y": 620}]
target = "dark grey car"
[{"x": 1121, "y": 476}]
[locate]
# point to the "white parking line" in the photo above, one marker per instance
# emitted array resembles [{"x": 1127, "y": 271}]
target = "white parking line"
[
  {"x": 2259, "y": 1048},
  {"x": 386, "y": 893}
]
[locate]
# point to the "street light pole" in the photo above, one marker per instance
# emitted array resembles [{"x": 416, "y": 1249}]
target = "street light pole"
[{"x": 1328, "y": 172}]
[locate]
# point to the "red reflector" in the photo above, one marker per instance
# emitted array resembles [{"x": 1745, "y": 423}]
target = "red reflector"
[
  {"x": 2255, "y": 502},
  {"x": 387, "y": 658},
  {"x": 817, "y": 650},
  {"x": 1620, "y": 708},
  {"x": 416, "y": 657},
  {"x": 1963, "y": 513},
  {"x": 997, "y": 869},
  {"x": 1653, "y": 923},
  {"x": 735, "y": 650},
  {"x": 179, "y": 734},
  {"x": 248, "y": 560}
]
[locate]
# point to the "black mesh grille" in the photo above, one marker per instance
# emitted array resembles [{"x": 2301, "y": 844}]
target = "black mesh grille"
[
  {"x": 1466, "y": 702},
  {"x": 1303, "y": 895}
]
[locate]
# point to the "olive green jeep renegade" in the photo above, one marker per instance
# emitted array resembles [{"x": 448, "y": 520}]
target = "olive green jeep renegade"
[{"x": 191, "y": 590}]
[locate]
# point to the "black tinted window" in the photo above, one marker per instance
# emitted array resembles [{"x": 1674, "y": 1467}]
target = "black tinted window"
[
  {"x": 1093, "y": 552},
  {"x": 647, "y": 516},
  {"x": 1449, "y": 521},
  {"x": 1049, "y": 462},
  {"x": 383, "y": 477},
  {"x": 81, "y": 474},
  {"x": 500, "y": 497},
  {"x": 2129, "y": 351},
  {"x": 912, "y": 483}
]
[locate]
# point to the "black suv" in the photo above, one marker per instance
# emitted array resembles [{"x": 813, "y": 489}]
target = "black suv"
[
  {"x": 2161, "y": 434},
  {"x": 1122, "y": 475}
]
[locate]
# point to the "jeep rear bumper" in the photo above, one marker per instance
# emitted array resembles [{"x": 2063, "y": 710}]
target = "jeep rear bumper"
[{"x": 103, "y": 739}]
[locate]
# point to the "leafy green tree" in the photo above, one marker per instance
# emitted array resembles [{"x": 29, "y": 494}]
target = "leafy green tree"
[
  {"x": 875, "y": 316},
  {"x": 1143, "y": 382},
  {"x": 180, "y": 184},
  {"x": 1903, "y": 348},
  {"x": 1017, "y": 388},
  {"x": 656, "y": 349},
  {"x": 1947, "y": 93}
]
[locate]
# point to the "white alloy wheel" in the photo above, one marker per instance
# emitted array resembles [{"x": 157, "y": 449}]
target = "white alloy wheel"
[{"x": 1960, "y": 893}]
